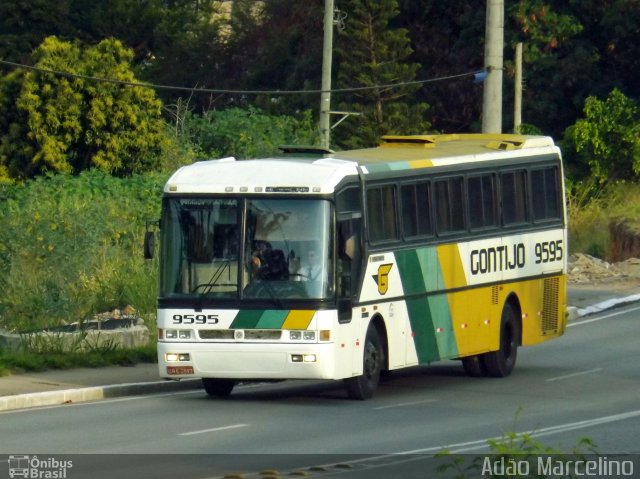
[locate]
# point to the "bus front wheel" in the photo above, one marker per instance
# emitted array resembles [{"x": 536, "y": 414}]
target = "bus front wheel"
[
  {"x": 364, "y": 386},
  {"x": 500, "y": 363},
  {"x": 218, "y": 387}
]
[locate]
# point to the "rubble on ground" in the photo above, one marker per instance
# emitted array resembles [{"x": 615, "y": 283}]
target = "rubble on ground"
[{"x": 583, "y": 268}]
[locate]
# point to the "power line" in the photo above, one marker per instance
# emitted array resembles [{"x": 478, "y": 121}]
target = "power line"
[{"x": 233, "y": 92}]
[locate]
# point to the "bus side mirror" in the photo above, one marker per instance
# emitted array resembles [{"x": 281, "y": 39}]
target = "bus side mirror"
[{"x": 345, "y": 308}]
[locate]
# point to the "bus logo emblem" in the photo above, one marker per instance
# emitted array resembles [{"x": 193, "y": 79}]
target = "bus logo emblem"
[{"x": 382, "y": 278}]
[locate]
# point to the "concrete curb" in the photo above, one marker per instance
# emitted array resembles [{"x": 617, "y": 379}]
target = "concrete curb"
[
  {"x": 93, "y": 393},
  {"x": 574, "y": 312}
]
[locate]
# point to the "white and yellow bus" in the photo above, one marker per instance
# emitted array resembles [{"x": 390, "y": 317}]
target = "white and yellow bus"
[{"x": 321, "y": 265}]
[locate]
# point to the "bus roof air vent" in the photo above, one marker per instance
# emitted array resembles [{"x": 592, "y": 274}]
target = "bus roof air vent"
[
  {"x": 505, "y": 145},
  {"x": 423, "y": 141}
]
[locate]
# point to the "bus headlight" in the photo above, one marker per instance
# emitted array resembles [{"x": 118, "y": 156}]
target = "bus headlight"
[{"x": 177, "y": 357}]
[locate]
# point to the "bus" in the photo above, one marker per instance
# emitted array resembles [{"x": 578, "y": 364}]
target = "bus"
[{"x": 346, "y": 265}]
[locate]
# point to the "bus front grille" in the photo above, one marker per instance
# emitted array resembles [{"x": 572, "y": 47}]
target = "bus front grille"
[{"x": 249, "y": 334}]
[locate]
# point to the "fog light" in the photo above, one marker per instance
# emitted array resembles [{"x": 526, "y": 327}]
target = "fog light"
[
  {"x": 296, "y": 358},
  {"x": 184, "y": 357},
  {"x": 309, "y": 358}
]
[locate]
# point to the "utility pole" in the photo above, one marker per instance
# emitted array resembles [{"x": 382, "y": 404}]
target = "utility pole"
[
  {"x": 517, "y": 97},
  {"x": 327, "y": 56},
  {"x": 493, "y": 64}
]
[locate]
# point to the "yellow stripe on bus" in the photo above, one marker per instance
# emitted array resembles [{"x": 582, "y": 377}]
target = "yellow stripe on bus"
[
  {"x": 298, "y": 319},
  {"x": 420, "y": 163},
  {"x": 451, "y": 266}
]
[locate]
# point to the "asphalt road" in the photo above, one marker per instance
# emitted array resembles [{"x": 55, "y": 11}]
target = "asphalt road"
[{"x": 585, "y": 384}]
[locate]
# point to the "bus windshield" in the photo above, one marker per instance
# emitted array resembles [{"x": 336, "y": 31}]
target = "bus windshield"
[{"x": 283, "y": 252}]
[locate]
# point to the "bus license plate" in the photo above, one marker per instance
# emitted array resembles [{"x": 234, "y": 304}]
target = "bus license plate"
[{"x": 179, "y": 370}]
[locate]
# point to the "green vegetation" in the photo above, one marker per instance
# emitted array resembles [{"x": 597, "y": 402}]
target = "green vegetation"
[
  {"x": 592, "y": 207},
  {"x": 514, "y": 455},
  {"x": 71, "y": 124},
  {"x": 71, "y": 247},
  {"x": 372, "y": 52},
  {"x": 28, "y": 360}
]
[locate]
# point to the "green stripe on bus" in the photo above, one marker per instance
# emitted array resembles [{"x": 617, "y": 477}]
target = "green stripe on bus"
[
  {"x": 445, "y": 336},
  {"x": 259, "y": 319},
  {"x": 246, "y": 319},
  {"x": 422, "y": 330},
  {"x": 411, "y": 272},
  {"x": 272, "y": 319},
  {"x": 419, "y": 270},
  {"x": 430, "y": 316}
]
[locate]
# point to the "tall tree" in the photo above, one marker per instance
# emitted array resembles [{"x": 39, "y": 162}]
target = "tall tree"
[
  {"x": 448, "y": 39},
  {"x": 560, "y": 61},
  {"x": 607, "y": 139},
  {"x": 70, "y": 123},
  {"x": 276, "y": 45},
  {"x": 371, "y": 54}
]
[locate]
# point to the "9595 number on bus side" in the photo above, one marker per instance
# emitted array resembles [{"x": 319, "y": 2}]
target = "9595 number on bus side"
[
  {"x": 549, "y": 251},
  {"x": 195, "y": 319}
]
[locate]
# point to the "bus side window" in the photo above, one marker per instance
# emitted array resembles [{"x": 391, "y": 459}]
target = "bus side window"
[
  {"x": 514, "y": 194},
  {"x": 449, "y": 194},
  {"x": 545, "y": 189}
]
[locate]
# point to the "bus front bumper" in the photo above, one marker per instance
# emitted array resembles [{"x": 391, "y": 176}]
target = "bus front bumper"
[{"x": 248, "y": 361}]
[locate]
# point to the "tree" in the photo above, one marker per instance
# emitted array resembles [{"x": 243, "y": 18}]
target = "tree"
[
  {"x": 448, "y": 39},
  {"x": 246, "y": 133},
  {"x": 607, "y": 139},
  {"x": 370, "y": 53},
  {"x": 276, "y": 45},
  {"x": 72, "y": 123}
]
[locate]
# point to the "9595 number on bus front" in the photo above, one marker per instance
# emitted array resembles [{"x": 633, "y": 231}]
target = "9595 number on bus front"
[
  {"x": 549, "y": 251},
  {"x": 195, "y": 319}
]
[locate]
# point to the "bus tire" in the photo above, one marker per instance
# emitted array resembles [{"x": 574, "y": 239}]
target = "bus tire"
[
  {"x": 218, "y": 387},
  {"x": 474, "y": 366},
  {"x": 364, "y": 386},
  {"x": 500, "y": 363}
]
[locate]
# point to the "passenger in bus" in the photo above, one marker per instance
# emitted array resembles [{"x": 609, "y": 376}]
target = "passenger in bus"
[
  {"x": 259, "y": 258},
  {"x": 267, "y": 263}
]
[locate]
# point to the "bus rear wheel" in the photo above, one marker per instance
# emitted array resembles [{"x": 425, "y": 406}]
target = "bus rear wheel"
[
  {"x": 500, "y": 363},
  {"x": 218, "y": 387},
  {"x": 364, "y": 386}
]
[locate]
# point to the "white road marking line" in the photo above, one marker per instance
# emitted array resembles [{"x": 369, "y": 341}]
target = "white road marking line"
[
  {"x": 214, "y": 429},
  {"x": 404, "y": 404},
  {"x": 581, "y": 373},
  {"x": 599, "y": 318},
  {"x": 545, "y": 431}
]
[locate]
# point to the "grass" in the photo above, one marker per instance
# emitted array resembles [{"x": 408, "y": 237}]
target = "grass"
[
  {"x": 591, "y": 209},
  {"x": 28, "y": 361}
]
